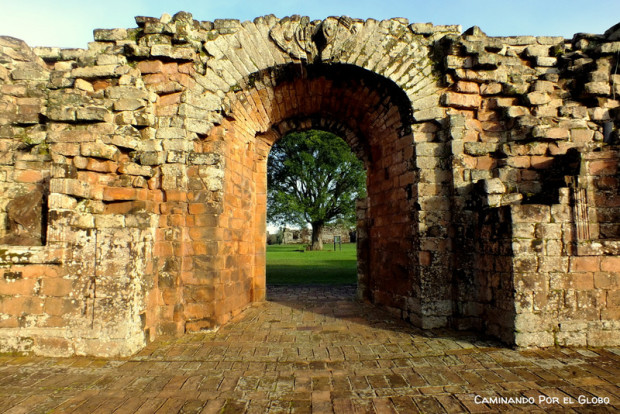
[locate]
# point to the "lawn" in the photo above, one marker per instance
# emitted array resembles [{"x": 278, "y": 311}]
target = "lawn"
[{"x": 290, "y": 264}]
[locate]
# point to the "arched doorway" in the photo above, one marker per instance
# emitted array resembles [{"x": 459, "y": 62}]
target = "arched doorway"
[{"x": 374, "y": 117}]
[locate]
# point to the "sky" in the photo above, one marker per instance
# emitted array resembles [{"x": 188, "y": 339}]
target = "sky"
[{"x": 69, "y": 23}]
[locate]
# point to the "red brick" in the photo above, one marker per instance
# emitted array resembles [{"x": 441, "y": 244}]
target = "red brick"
[
  {"x": 610, "y": 264},
  {"x": 154, "y": 78},
  {"x": 613, "y": 298},
  {"x": 469, "y": 161},
  {"x": 28, "y": 176},
  {"x": 490, "y": 88},
  {"x": 169, "y": 99},
  {"x": 18, "y": 305},
  {"x": 467, "y": 87},
  {"x": 60, "y": 306},
  {"x": 175, "y": 195},
  {"x": 175, "y": 220},
  {"x": 37, "y": 271},
  {"x": 603, "y": 167},
  {"x": 610, "y": 314},
  {"x": 187, "y": 68},
  {"x": 485, "y": 163},
  {"x": 459, "y": 100},
  {"x": 100, "y": 84},
  {"x": 101, "y": 166},
  {"x": 582, "y": 281},
  {"x": 162, "y": 249},
  {"x": 119, "y": 193},
  {"x": 197, "y": 208},
  {"x": 150, "y": 66},
  {"x": 17, "y": 287},
  {"x": 57, "y": 287},
  {"x": 170, "y": 68},
  {"x": 584, "y": 264},
  {"x": 10, "y": 322}
]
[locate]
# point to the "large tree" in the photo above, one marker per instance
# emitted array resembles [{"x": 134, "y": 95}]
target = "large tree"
[{"x": 313, "y": 178}]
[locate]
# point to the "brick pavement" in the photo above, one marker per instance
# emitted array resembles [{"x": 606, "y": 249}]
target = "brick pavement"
[{"x": 316, "y": 350}]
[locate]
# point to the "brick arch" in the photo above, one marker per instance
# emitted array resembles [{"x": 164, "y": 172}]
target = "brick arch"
[
  {"x": 374, "y": 117},
  {"x": 352, "y": 102}
]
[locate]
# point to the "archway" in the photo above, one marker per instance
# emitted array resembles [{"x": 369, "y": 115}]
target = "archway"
[{"x": 374, "y": 117}]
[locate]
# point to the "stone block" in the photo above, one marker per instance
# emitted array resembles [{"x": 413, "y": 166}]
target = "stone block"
[
  {"x": 150, "y": 66},
  {"x": 537, "y": 339},
  {"x": 92, "y": 113},
  {"x": 128, "y": 104},
  {"x": 606, "y": 280},
  {"x": 90, "y": 72},
  {"x": 126, "y": 92},
  {"x": 109, "y": 35},
  {"x": 581, "y": 135},
  {"x": 585, "y": 263},
  {"x": 467, "y": 87},
  {"x": 598, "y": 338},
  {"x": 494, "y": 186},
  {"x": 572, "y": 338},
  {"x": 546, "y": 61},
  {"x": 531, "y": 213},
  {"x": 459, "y": 100},
  {"x": 110, "y": 221},
  {"x": 99, "y": 150},
  {"x": 29, "y": 72},
  {"x": 517, "y": 111},
  {"x": 609, "y": 48},
  {"x": 71, "y": 136},
  {"x": 71, "y": 187},
  {"x": 598, "y": 88},
  {"x": 538, "y": 98},
  {"x": 537, "y": 50},
  {"x": 131, "y": 168},
  {"x": 171, "y": 133},
  {"x": 613, "y": 298},
  {"x": 610, "y": 264}
]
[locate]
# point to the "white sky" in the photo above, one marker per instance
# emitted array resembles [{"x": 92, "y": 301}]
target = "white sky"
[{"x": 69, "y": 23}]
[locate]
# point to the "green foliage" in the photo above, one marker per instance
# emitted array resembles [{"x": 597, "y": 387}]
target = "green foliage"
[
  {"x": 313, "y": 177},
  {"x": 291, "y": 264}
]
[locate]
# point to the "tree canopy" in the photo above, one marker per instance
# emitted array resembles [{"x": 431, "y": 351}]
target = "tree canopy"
[{"x": 313, "y": 177}]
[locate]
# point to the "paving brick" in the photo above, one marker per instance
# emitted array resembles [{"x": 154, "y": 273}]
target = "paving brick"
[{"x": 246, "y": 367}]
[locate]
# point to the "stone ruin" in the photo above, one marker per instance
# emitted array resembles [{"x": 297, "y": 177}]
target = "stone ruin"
[
  {"x": 133, "y": 176},
  {"x": 304, "y": 235}
]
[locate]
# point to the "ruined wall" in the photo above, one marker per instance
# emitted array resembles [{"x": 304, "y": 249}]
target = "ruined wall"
[
  {"x": 303, "y": 236},
  {"x": 532, "y": 126},
  {"x": 133, "y": 176}
]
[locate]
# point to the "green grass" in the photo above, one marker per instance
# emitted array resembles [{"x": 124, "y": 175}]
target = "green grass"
[{"x": 290, "y": 264}]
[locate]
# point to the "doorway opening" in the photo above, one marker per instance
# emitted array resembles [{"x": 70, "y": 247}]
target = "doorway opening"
[{"x": 315, "y": 184}]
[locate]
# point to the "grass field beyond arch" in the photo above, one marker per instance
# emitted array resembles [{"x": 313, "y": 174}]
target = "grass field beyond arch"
[{"x": 291, "y": 264}]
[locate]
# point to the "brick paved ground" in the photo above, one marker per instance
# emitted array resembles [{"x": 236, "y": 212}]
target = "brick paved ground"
[{"x": 314, "y": 350}]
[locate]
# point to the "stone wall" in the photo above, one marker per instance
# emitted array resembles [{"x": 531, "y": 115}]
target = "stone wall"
[
  {"x": 303, "y": 236},
  {"x": 133, "y": 176}
]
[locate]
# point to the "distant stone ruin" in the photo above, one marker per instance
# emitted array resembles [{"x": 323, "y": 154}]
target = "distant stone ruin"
[
  {"x": 304, "y": 236},
  {"x": 133, "y": 176}
]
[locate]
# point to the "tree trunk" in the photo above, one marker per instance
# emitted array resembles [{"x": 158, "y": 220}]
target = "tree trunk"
[{"x": 317, "y": 233}]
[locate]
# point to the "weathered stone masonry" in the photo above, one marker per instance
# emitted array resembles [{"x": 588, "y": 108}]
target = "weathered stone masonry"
[{"x": 133, "y": 176}]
